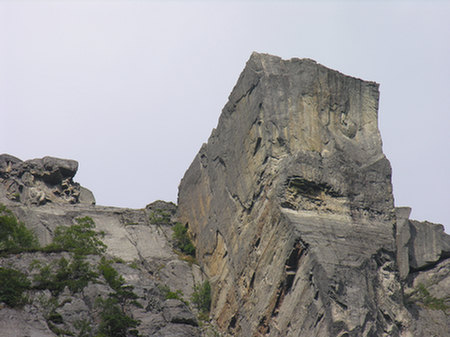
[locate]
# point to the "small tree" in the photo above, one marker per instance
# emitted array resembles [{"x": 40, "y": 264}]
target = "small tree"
[
  {"x": 81, "y": 238},
  {"x": 114, "y": 322},
  {"x": 182, "y": 241},
  {"x": 13, "y": 234},
  {"x": 201, "y": 297},
  {"x": 74, "y": 274},
  {"x": 12, "y": 285}
]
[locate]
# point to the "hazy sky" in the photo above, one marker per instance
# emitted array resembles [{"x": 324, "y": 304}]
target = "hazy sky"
[{"x": 131, "y": 89}]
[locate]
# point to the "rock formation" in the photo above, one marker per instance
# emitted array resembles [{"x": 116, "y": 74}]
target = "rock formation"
[
  {"x": 291, "y": 210},
  {"x": 43, "y": 195},
  {"x": 38, "y": 181}
]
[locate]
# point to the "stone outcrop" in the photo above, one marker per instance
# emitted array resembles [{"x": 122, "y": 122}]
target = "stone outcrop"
[
  {"x": 420, "y": 245},
  {"x": 40, "y": 181},
  {"x": 291, "y": 210}
]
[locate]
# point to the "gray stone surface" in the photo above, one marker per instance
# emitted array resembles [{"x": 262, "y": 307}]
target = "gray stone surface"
[
  {"x": 41, "y": 181},
  {"x": 402, "y": 237},
  {"x": 290, "y": 206},
  {"x": 176, "y": 311},
  {"x": 144, "y": 252},
  {"x": 428, "y": 244},
  {"x": 291, "y": 210}
]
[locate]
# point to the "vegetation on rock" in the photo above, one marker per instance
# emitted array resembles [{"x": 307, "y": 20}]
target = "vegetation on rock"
[
  {"x": 13, "y": 284},
  {"x": 74, "y": 274},
  {"x": 182, "y": 240},
  {"x": 422, "y": 296},
  {"x": 80, "y": 238},
  {"x": 14, "y": 236},
  {"x": 159, "y": 217},
  {"x": 201, "y": 297},
  {"x": 114, "y": 321}
]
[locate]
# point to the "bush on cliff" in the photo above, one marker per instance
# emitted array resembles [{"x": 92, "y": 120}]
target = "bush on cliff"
[
  {"x": 182, "y": 241},
  {"x": 201, "y": 297},
  {"x": 12, "y": 285},
  {"x": 14, "y": 236},
  {"x": 80, "y": 238},
  {"x": 74, "y": 274}
]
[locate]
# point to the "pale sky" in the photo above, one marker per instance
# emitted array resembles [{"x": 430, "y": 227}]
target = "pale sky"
[{"x": 131, "y": 89}]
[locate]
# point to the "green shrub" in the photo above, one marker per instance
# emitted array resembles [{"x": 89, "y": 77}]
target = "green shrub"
[
  {"x": 159, "y": 217},
  {"x": 122, "y": 293},
  {"x": 114, "y": 321},
  {"x": 81, "y": 238},
  {"x": 55, "y": 317},
  {"x": 84, "y": 328},
  {"x": 182, "y": 241},
  {"x": 12, "y": 285},
  {"x": 423, "y": 296},
  {"x": 169, "y": 294},
  {"x": 74, "y": 274},
  {"x": 111, "y": 275},
  {"x": 14, "y": 236},
  {"x": 201, "y": 297}
]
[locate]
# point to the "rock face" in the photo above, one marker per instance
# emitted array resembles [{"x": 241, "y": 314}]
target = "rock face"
[
  {"x": 291, "y": 210},
  {"x": 39, "y": 181},
  {"x": 143, "y": 252},
  {"x": 289, "y": 205}
]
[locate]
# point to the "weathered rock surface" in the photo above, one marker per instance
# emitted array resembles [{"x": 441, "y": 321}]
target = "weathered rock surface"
[
  {"x": 290, "y": 206},
  {"x": 40, "y": 181},
  {"x": 420, "y": 245},
  {"x": 291, "y": 210},
  {"x": 143, "y": 251}
]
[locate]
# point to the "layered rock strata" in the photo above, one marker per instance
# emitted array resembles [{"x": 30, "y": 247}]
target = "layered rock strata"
[{"x": 290, "y": 207}]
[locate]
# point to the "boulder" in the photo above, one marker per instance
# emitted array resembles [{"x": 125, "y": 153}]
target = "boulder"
[
  {"x": 40, "y": 181},
  {"x": 176, "y": 311},
  {"x": 428, "y": 244}
]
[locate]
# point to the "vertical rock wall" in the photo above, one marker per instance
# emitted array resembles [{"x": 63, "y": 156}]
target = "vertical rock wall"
[{"x": 290, "y": 206}]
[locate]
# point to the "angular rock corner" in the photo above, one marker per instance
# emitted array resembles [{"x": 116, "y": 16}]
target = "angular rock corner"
[{"x": 290, "y": 206}]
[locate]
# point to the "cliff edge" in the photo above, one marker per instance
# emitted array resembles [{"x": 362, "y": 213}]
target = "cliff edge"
[{"x": 291, "y": 209}]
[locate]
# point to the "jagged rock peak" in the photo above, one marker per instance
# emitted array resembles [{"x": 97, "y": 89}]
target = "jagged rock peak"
[
  {"x": 290, "y": 206},
  {"x": 38, "y": 181}
]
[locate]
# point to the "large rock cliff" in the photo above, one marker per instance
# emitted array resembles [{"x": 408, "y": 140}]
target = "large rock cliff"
[{"x": 291, "y": 209}]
